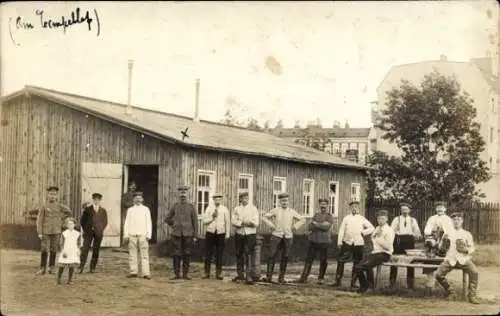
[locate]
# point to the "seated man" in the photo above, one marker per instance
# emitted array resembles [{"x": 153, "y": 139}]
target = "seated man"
[
  {"x": 383, "y": 247},
  {"x": 460, "y": 247}
]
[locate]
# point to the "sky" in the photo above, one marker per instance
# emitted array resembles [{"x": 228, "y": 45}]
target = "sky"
[{"x": 294, "y": 61}]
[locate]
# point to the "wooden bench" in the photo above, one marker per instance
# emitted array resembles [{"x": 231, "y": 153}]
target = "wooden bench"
[{"x": 465, "y": 276}]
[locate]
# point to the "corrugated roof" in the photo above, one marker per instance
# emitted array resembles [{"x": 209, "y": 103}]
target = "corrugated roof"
[
  {"x": 332, "y": 132},
  {"x": 202, "y": 134}
]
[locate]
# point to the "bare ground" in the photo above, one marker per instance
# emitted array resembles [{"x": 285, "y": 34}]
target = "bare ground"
[{"x": 109, "y": 292}]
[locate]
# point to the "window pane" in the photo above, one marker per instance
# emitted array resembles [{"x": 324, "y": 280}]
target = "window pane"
[
  {"x": 307, "y": 186},
  {"x": 277, "y": 185},
  {"x": 200, "y": 198},
  {"x": 244, "y": 183}
]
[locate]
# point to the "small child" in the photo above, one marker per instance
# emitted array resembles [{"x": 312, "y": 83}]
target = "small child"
[{"x": 71, "y": 242}]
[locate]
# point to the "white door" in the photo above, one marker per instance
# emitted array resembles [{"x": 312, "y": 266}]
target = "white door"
[{"x": 105, "y": 178}]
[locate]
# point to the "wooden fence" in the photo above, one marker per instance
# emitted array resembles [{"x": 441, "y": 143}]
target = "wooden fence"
[{"x": 481, "y": 219}]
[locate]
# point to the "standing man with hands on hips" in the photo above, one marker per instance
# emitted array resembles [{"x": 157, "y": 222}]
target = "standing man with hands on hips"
[{"x": 137, "y": 230}]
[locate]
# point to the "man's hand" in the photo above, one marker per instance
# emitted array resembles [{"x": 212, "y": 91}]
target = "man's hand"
[
  {"x": 40, "y": 236},
  {"x": 194, "y": 239},
  {"x": 227, "y": 237}
]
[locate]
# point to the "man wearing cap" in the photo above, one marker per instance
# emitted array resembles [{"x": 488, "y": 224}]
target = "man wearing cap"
[
  {"x": 383, "y": 247},
  {"x": 407, "y": 231},
  {"x": 246, "y": 220},
  {"x": 319, "y": 239},
  {"x": 49, "y": 224},
  {"x": 351, "y": 242},
  {"x": 183, "y": 220},
  {"x": 459, "y": 255},
  {"x": 94, "y": 220},
  {"x": 137, "y": 230},
  {"x": 127, "y": 201},
  {"x": 218, "y": 229},
  {"x": 282, "y": 220}
]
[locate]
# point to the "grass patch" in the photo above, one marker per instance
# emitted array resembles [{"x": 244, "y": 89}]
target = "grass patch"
[{"x": 487, "y": 255}]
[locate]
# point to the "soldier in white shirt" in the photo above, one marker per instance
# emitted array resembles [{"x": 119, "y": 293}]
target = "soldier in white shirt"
[
  {"x": 246, "y": 220},
  {"x": 407, "y": 231},
  {"x": 351, "y": 242},
  {"x": 218, "y": 229},
  {"x": 137, "y": 231},
  {"x": 383, "y": 247},
  {"x": 460, "y": 246},
  {"x": 282, "y": 221}
]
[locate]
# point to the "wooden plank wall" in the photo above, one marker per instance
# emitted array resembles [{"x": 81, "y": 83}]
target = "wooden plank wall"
[
  {"x": 228, "y": 166},
  {"x": 45, "y": 143}
]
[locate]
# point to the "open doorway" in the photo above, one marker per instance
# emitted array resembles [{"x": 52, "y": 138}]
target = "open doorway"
[{"x": 146, "y": 180}]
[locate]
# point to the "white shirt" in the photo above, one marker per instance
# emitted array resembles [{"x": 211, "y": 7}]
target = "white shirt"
[
  {"x": 383, "y": 239},
  {"x": 221, "y": 224},
  {"x": 247, "y": 213},
  {"x": 138, "y": 222},
  {"x": 352, "y": 229},
  {"x": 435, "y": 221},
  {"x": 453, "y": 256},
  {"x": 282, "y": 221},
  {"x": 406, "y": 225}
]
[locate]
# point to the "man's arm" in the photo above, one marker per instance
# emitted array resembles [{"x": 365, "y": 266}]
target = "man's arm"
[
  {"x": 326, "y": 225},
  {"x": 341, "y": 231},
  {"x": 429, "y": 226},
  {"x": 394, "y": 224},
  {"x": 170, "y": 216},
  {"x": 236, "y": 221},
  {"x": 125, "y": 224},
  {"x": 149, "y": 225},
  {"x": 470, "y": 243},
  {"x": 299, "y": 220},
  {"x": 84, "y": 219},
  {"x": 416, "y": 230},
  {"x": 266, "y": 218},
  {"x": 227, "y": 222},
  {"x": 368, "y": 227},
  {"x": 386, "y": 240},
  {"x": 104, "y": 219},
  {"x": 194, "y": 221},
  {"x": 254, "y": 219},
  {"x": 40, "y": 219},
  {"x": 207, "y": 217}
]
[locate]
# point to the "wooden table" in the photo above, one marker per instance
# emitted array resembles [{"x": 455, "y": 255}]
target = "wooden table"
[{"x": 416, "y": 265}]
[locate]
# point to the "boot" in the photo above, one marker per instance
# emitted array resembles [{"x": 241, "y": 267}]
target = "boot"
[
  {"x": 52, "y": 261},
  {"x": 250, "y": 273},
  {"x": 305, "y": 272},
  {"x": 177, "y": 268},
  {"x": 448, "y": 291},
  {"x": 473, "y": 291},
  {"x": 43, "y": 263},
  {"x": 207, "y": 269},
  {"x": 354, "y": 278},
  {"x": 59, "y": 274},
  {"x": 283, "y": 264},
  {"x": 70, "y": 274},
  {"x": 80, "y": 269},
  {"x": 270, "y": 270},
  {"x": 392, "y": 276},
  {"x": 185, "y": 268},
  {"x": 338, "y": 275},
  {"x": 322, "y": 272},
  {"x": 218, "y": 273},
  {"x": 239, "y": 271}
]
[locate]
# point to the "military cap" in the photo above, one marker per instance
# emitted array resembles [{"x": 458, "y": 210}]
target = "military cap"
[
  {"x": 97, "y": 196},
  {"x": 182, "y": 188},
  {"x": 440, "y": 203},
  {"x": 53, "y": 188},
  {"x": 137, "y": 193},
  {"x": 408, "y": 205},
  {"x": 217, "y": 195},
  {"x": 322, "y": 200},
  {"x": 283, "y": 195},
  {"x": 354, "y": 202},
  {"x": 457, "y": 214},
  {"x": 243, "y": 194},
  {"x": 382, "y": 213}
]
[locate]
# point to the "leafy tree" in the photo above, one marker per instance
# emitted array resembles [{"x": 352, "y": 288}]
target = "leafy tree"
[
  {"x": 433, "y": 126},
  {"x": 253, "y": 124}
]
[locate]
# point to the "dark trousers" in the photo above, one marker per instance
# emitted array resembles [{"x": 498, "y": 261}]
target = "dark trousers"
[
  {"x": 346, "y": 253},
  {"x": 279, "y": 246},
  {"x": 94, "y": 240},
  {"x": 313, "y": 249},
  {"x": 402, "y": 243},
  {"x": 214, "y": 243},
  {"x": 183, "y": 246},
  {"x": 49, "y": 247},
  {"x": 245, "y": 254},
  {"x": 366, "y": 266}
]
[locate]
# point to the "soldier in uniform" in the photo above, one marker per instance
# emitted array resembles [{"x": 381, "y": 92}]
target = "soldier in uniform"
[
  {"x": 183, "y": 219},
  {"x": 351, "y": 242},
  {"x": 407, "y": 231},
  {"x": 282, "y": 221},
  {"x": 49, "y": 224},
  {"x": 245, "y": 220},
  {"x": 94, "y": 220},
  {"x": 320, "y": 238}
]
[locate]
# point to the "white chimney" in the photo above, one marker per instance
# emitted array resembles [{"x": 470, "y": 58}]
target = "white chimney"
[
  {"x": 128, "y": 110},
  {"x": 196, "y": 117}
]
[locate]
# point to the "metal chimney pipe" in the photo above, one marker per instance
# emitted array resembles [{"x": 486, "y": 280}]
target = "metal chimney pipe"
[
  {"x": 129, "y": 90},
  {"x": 196, "y": 117}
]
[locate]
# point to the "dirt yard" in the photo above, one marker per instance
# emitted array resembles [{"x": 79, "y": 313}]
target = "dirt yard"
[{"x": 109, "y": 292}]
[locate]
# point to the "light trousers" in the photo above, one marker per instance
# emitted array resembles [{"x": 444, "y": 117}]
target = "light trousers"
[{"x": 138, "y": 246}]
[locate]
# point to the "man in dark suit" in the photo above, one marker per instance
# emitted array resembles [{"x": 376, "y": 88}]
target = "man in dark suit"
[{"x": 94, "y": 220}]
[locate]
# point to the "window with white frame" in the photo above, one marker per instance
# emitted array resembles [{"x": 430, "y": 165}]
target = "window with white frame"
[
  {"x": 343, "y": 149},
  {"x": 333, "y": 194},
  {"x": 245, "y": 184},
  {"x": 308, "y": 197},
  {"x": 279, "y": 186},
  {"x": 362, "y": 153},
  {"x": 355, "y": 192},
  {"x": 353, "y": 146},
  {"x": 204, "y": 190}
]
